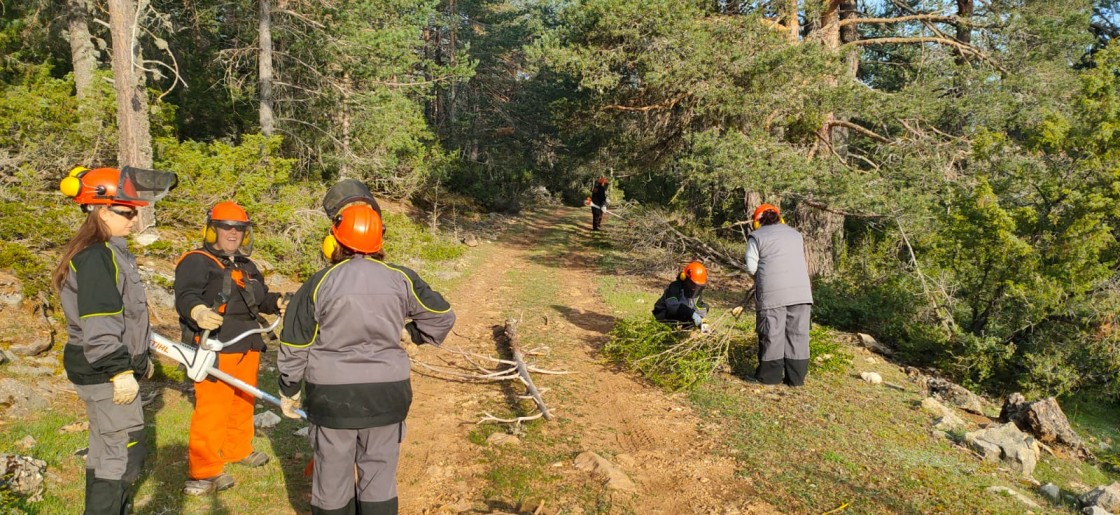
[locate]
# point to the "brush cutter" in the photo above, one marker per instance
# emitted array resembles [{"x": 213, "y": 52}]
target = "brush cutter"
[{"x": 200, "y": 361}]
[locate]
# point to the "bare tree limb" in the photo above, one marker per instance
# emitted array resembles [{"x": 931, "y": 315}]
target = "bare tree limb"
[
  {"x": 936, "y": 18},
  {"x": 967, "y": 49},
  {"x": 860, "y": 129}
]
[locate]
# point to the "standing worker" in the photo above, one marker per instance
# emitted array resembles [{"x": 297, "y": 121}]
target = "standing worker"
[
  {"x": 776, "y": 259},
  {"x": 217, "y": 288},
  {"x": 682, "y": 303},
  {"x": 598, "y": 202},
  {"x": 106, "y": 311},
  {"x": 342, "y": 337}
]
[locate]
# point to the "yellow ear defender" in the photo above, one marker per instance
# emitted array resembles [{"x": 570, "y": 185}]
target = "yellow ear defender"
[
  {"x": 330, "y": 247},
  {"x": 756, "y": 224},
  {"x": 683, "y": 275},
  {"x": 72, "y": 184},
  {"x": 208, "y": 234}
]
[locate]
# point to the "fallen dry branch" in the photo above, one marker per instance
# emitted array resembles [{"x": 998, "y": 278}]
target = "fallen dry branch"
[
  {"x": 523, "y": 369},
  {"x": 470, "y": 367}
]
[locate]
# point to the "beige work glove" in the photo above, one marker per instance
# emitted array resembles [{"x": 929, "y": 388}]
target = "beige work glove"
[
  {"x": 125, "y": 388},
  {"x": 206, "y": 318},
  {"x": 705, "y": 328},
  {"x": 151, "y": 369},
  {"x": 289, "y": 405},
  {"x": 738, "y": 310},
  {"x": 282, "y": 304}
]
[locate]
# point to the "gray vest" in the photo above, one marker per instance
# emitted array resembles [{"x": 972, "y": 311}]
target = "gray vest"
[{"x": 782, "y": 278}]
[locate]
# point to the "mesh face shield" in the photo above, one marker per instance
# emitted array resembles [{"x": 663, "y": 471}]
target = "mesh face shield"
[
  {"x": 212, "y": 234},
  {"x": 142, "y": 185},
  {"x": 348, "y": 191}
]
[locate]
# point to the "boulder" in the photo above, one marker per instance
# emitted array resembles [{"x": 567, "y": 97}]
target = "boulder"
[
  {"x": 615, "y": 477},
  {"x": 1052, "y": 492},
  {"x": 1095, "y": 510},
  {"x": 1045, "y": 420},
  {"x": 23, "y": 476},
  {"x": 869, "y": 342},
  {"x": 954, "y": 394},
  {"x": 1006, "y": 443},
  {"x": 1106, "y": 497},
  {"x": 4, "y": 357},
  {"x": 19, "y": 399}
]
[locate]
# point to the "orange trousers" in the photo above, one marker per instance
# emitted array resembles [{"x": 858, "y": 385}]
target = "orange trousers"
[{"x": 222, "y": 424}]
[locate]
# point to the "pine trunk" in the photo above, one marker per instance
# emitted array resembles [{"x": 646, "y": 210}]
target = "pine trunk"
[
  {"x": 267, "y": 117},
  {"x": 81, "y": 48},
  {"x": 134, "y": 146}
]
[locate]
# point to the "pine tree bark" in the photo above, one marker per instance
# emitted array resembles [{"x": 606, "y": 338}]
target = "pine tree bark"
[
  {"x": 264, "y": 65},
  {"x": 964, "y": 31},
  {"x": 81, "y": 48},
  {"x": 134, "y": 145}
]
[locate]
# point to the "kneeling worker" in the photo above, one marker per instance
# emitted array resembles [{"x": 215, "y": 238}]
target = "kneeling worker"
[{"x": 682, "y": 303}]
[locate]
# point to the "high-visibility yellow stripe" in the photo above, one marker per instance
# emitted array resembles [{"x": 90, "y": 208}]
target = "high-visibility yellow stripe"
[{"x": 411, "y": 287}]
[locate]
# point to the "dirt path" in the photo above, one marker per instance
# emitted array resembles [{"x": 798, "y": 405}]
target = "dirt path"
[{"x": 543, "y": 275}]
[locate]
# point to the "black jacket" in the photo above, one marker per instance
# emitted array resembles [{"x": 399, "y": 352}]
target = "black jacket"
[
  {"x": 599, "y": 195},
  {"x": 201, "y": 275},
  {"x": 675, "y": 305}
]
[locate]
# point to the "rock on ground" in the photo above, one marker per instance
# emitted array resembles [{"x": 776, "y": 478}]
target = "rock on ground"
[
  {"x": 871, "y": 377},
  {"x": 1005, "y": 442},
  {"x": 1051, "y": 491},
  {"x": 868, "y": 341},
  {"x": 954, "y": 394},
  {"x": 23, "y": 475},
  {"x": 947, "y": 419},
  {"x": 1106, "y": 497},
  {"x": 266, "y": 420},
  {"x": 20, "y": 398},
  {"x": 616, "y": 478},
  {"x": 1045, "y": 420}
]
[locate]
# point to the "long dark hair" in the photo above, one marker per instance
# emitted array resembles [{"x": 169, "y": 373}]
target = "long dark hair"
[
  {"x": 92, "y": 231},
  {"x": 769, "y": 218}
]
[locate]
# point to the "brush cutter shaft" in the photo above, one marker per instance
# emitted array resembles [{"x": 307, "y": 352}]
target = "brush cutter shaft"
[{"x": 184, "y": 355}]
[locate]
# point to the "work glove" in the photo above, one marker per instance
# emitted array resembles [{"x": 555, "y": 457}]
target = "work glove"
[
  {"x": 205, "y": 317},
  {"x": 697, "y": 320},
  {"x": 736, "y": 311},
  {"x": 705, "y": 328},
  {"x": 151, "y": 369},
  {"x": 282, "y": 303},
  {"x": 125, "y": 388},
  {"x": 289, "y": 405}
]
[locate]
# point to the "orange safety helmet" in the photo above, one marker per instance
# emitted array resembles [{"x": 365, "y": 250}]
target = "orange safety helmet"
[
  {"x": 356, "y": 227},
  {"x": 602, "y": 181},
  {"x": 755, "y": 223},
  {"x": 100, "y": 186},
  {"x": 230, "y": 214},
  {"x": 695, "y": 272}
]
